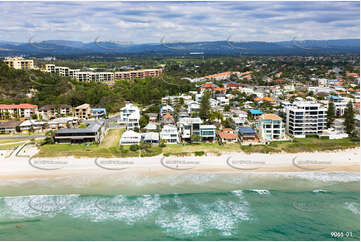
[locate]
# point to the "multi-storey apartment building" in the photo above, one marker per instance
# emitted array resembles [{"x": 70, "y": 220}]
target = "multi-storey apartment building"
[
  {"x": 305, "y": 118},
  {"x": 51, "y": 111},
  {"x": 129, "y": 75},
  {"x": 24, "y": 110},
  {"x": 340, "y": 105},
  {"x": 19, "y": 63},
  {"x": 129, "y": 116},
  {"x": 83, "y": 111},
  {"x": 271, "y": 127},
  {"x": 86, "y": 76}
]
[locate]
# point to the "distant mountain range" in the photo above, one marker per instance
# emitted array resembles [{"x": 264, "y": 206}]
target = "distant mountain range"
[{"x": 67, "y": 47}]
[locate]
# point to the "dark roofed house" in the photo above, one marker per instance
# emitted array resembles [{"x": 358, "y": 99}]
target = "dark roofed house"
[
  {"x": 94, "y": 132},
  {"x": 247, "y": 134},
  {"x": 9, "y": 126}
]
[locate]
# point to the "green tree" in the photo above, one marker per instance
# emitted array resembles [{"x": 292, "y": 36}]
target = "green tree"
[
  {"x": 195, "y": 138},
  {"x": 349, "y": 118},
  {"x": 143, "y": 121},
  {"x": 330, "y": 114},
  {"x": 205, "y": 106}
]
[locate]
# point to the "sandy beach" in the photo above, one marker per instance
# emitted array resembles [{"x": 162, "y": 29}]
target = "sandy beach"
[{"x": 337, "y": 161}]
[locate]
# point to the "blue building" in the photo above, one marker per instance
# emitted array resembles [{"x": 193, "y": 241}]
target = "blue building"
[{"x": 98, "y": 112}]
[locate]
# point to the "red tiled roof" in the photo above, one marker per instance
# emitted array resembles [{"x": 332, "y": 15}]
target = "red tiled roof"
[
  {"x": 16, "y": 106},
  {"x": 227, "y": 136},
  {"x": 207, "y": 85}
]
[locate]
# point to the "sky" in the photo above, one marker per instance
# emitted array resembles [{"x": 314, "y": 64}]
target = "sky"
[{"x": 152, "y": 22}]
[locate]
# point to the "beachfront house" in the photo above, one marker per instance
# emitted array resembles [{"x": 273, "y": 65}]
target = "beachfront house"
[
  {"x": 129, "y": 116},
  {"x": 208, "y": 132},
  {"x": 169, "y": 133},
  {"x": 150, "y": 137},
  {"x": 93, "y": 132},
  {"x": 227, "y": 136},
  {"x": 271, "y": 127},
  {"x": 130, "y": 137},
  {"x": 247, "y": 134}
]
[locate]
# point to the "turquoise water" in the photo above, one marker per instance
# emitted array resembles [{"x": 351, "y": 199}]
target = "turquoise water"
[{"x": 200, "y": 207}]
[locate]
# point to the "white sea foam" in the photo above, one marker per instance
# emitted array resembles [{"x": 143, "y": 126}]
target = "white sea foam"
[
  {"x": 353, "y": 207},
  {"x": 319, "y": 190},
  {"x": 261, "y": 192}
]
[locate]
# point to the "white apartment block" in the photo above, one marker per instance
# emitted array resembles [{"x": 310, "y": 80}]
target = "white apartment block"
[
  {"x": 170, "y": 134},
  {"x": 87, "y": 76},
  {"x": 19, "y": 63},
  {"x": 129, "y": 116},
  {"x": 130, "y": 75},
  {"x": 271, "y": 127},
  {"x": 305, "y": 118}
]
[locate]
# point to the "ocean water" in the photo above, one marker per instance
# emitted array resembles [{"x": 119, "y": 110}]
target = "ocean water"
[{"x": 181, "y": 206}]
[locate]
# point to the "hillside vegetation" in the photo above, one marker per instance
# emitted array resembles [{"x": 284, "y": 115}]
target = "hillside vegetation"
[{"x": 46, "y": 88}]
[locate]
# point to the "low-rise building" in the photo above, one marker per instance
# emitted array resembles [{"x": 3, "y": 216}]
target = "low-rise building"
[
  {"x": 24, "y": 110},
  {"x": 227, "y": 136},
  {"x": 170, "y": 134},
  {"x": 32, "y": 125},
  {"x": 94, "y": 132},
  {"x": 130, "y": 137},
  {"x": 83, "y": 111},
  {"x": 247, "y": 135},
  {"x": 9, "y": 127},
  {"x": 208, "y": 132},
  {"x": 150, "y": 137}
]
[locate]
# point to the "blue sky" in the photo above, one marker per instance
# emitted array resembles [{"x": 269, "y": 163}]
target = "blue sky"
[{"x": 147, "y": 22}]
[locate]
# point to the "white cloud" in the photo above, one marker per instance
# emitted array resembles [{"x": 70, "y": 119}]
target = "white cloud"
[{"x": 148, "y": 21}]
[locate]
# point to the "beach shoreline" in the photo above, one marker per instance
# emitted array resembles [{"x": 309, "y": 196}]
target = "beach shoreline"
[{"x": 336, "y": 161}]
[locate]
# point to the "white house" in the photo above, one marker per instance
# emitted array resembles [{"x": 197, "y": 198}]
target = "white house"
[
  {"x": 129, "y": 116},
  {"x": 166, "y": 109},
  {"x": 130, "y": 137},
  {"x": 170, "y": 134}
]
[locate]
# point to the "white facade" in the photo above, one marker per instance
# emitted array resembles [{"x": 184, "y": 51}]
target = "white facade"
[
  {"x": 305, "y": 118},
  {"x": 129, "y": 116},
  {"x": 130, "y": 137},
  {"x": 170, "y": 134},
  {"x": 271, "y": 127}
]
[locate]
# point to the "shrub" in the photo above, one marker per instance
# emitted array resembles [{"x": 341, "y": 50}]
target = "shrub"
[
  {"x": 134, "y": 147},
  {"x": 199, "y": 153}
]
